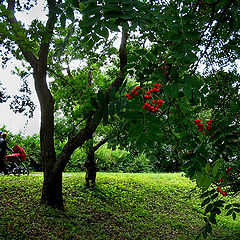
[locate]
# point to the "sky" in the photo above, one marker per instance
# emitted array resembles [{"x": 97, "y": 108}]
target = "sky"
[{"x": 17, "y": 123}]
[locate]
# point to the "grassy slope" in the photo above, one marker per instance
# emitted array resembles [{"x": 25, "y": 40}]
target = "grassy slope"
[{"x": 123, "y": 206}]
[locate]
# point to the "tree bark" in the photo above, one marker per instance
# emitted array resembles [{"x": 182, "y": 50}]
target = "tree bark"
[{"x": 90, "y": 164}]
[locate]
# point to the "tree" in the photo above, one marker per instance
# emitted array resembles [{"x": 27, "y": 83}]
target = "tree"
[{"x": 36, "y": 53}]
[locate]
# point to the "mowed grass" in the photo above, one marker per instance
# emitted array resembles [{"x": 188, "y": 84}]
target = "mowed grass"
[{"x": 122, "y": 206}]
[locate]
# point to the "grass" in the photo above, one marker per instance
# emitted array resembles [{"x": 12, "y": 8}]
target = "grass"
[{"x": 123, "y": 206}]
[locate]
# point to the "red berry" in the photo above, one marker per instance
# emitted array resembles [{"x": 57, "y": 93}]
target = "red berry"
[
  {"x": 135, "y": 93},
  {"x": 127, "y": 95},
  {"x": 148, "y": 92}
]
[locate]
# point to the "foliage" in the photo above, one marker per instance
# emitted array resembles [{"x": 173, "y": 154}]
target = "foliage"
[{"x": 128, "y": 206}]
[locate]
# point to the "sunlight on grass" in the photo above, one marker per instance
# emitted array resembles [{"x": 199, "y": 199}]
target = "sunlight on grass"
[{"x": 122, "y": 206}]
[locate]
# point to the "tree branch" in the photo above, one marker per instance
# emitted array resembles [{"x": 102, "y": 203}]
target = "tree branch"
[
  {"x": 64, "y": 79},
  {"x": 47, "y": 36},
  {"x": 16, "y": 27},
  {"x": 98, "y": 145}
]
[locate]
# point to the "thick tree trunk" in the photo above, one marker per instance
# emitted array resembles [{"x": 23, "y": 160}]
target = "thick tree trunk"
[
  {"x": 52, "y": 190},
  {"x": 52, "y": 185}
]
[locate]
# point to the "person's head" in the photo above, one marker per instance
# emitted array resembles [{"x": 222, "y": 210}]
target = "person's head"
[{"x": 4, "y": 135}]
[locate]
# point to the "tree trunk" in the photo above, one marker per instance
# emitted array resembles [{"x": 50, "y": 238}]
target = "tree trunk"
[
  {"x": 91, "y": 168},
  {"x": 52, "y": 190},
  {"x": 52, "y": 185},
  {"x": 90, "y": 164}
]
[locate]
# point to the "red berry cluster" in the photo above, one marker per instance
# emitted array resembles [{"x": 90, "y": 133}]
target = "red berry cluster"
[
  {"x": 152, "y": 108},
  {"x": 134, "y": 92},
  {"x": 221, "y": 191},
  {"x": 219, "y": 188},
  {"x": 228, "y": 170},
  {"x": 209, "y": 124},
  {"x": 149, "y": 93},
  {"x": 222, "y": 180},
  {"x": 148, "y": 96},
  {"x": 200, "y": 126}
]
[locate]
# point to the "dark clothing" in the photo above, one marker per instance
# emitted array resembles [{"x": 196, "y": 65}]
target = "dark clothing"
[{"x": 3, "y": 148}]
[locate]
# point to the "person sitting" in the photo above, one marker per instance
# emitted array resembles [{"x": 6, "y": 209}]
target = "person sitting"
[{"x": 3, "y": 148}]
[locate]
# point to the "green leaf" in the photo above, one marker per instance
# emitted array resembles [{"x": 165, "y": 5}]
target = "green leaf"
[
  {"x": 187, "y": 91},
  {"x": 214, "y": 196},
  {"x": 63, "y": 20},
  {"x": 208, "y": 228},
  {"x": 174, "y": 90},
  {"x": 229, "y": 212},
  {"x": 215, "y": 168},
  {"x": 90, "y": 10},
  {"x": 112, "y": 8},
  {"x": 219, "y": 203},
  {"x": 236, "y": 205},
  {"x": 208, "y": 208},
  {"x": 236, "y": 209},
  {"x": 212, "y": 218},
  {"x": 103, "y": 31},
  {"x": 204, "y": 180},
  {"x": 215, "y": 136},
  {"x": 205, "y": 194},
  {"x": 92, "y": 21},
  {"x": 112, "y": 26},
  {"x": 207, "y": 168},
  {"x": 228, "y": 206},
  {"x": 128, "y": 16},
  {"x": 216, "y": 210},
  {"x": 206, "y": 201},
  {"x": 70, "y": 13}
]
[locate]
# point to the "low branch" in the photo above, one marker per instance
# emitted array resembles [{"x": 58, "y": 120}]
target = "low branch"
[{"x": 98, "y": 145}]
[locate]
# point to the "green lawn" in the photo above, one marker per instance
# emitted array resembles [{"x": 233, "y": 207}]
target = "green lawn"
[{"x": 123, "y": 206}]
